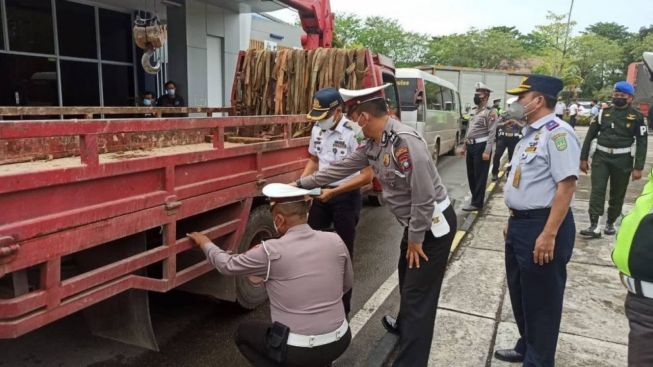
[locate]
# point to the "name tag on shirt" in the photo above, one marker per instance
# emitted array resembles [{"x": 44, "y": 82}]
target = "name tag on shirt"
[{"x": 517, "y": 178}]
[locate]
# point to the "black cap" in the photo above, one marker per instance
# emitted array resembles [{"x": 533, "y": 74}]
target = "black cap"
[
  {"x": 544, "y": 84},
  {"x": 324, "y": 100}
]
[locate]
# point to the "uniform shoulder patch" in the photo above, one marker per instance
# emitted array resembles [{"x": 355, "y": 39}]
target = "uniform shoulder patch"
[
  {"x": 560, "y": 140},
  {"x": 551, "y": 125},
  {"x": 403, "y": 159}
]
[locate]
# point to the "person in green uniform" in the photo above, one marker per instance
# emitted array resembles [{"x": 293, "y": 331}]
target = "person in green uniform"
[
  {"x": 615, "y": 129},
  {"x": 633, "y": 256}
]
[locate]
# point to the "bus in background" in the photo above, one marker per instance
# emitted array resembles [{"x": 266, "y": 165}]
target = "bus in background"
[{"x": 431, "y": 106}]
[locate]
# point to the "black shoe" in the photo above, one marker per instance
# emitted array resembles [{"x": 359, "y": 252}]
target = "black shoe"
[
  {"x": 471, "y": 208},
  {"x": 609, "y": 229},
  {"x": 591, "y": 231},
  {"x": 495, "y": 178},
  {"x": 508, "y": 355},
  {"x": 390, "y": 324}
]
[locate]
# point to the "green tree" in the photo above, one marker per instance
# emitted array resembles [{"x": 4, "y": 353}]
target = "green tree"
[
  {"x": 598, "y": 62},
  {"x": 347, "y": 28},
  {"x": 610, "y": 30},
  {"x": 553, "y": 40}
]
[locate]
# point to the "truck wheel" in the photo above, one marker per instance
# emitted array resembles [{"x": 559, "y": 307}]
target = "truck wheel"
[
  {"x": 375, "y": 200},
  {"x": 259, "y": 228}
]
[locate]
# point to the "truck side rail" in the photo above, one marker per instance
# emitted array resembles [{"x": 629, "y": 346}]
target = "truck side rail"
[{"x": 56, "y": 211}]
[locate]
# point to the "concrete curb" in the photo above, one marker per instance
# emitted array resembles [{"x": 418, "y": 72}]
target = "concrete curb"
[{"x": 388, "y": 343}]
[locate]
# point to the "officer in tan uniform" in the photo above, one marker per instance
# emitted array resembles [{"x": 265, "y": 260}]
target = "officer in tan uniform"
[
  {"x": 416, "y": 196},
  {"x": 306, "y": 272},
  {"x": 478, "y": 146}
]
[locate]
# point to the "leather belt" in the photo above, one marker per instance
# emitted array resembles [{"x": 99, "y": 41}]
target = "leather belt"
[
  {"x": 476, "y": 141},
  {"x": 530, "y": 213},
  {"x": 310, "y": 341},
  {"x": 613, "y": 150},
  {"x": 637, "y": 287}
]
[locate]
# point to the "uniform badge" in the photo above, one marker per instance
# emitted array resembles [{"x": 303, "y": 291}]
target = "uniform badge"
[
  {"x": 403, "y": 158},
  {"x": 631, "y": 117},
  {"x": 628, "y": 125},
  {"x": 532, "y": 149},
  {"x": 386, "y": 159},
  {"x": 316, "y": 103},
  {"x": 560, "y": 141}
]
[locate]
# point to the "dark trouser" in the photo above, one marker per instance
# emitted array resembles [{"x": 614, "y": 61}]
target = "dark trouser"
[
  {"x": 572, "y": 120},
  {"x": 343, "y": 211},
  {"x": 477, "y": 171},
  {"x": 251, "y": 339},
  {"x": 617, "y": 168},
  {"x": 639, "y": 311},
  {"x": 420, "y": 291},
  {"x": 536, "y": 292},
  {"x": 503, "y": 143}
]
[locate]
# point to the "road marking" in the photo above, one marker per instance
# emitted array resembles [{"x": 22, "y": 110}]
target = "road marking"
[
  {"x": 369, "y": 308},
  {"x": 456, "y": 240},
  {"x": 490, "y": 187},
  {"x": 501, "y": 174}
]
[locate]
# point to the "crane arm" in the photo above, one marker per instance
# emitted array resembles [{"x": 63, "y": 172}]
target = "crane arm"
[{"x": 317, "y": 21}]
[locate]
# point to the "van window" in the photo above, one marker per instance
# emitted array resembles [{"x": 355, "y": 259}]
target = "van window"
[
  {"x": 407, "y": 90},
  {"x": 433, "y": 96},
  {"x": 447, "y": 95}
]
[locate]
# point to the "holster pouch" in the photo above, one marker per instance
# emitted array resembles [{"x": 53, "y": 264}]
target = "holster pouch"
[{"x": 276, "y": 342}]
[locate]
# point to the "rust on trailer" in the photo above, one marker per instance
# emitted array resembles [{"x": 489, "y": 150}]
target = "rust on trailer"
[{"x": 57, "y": 208}]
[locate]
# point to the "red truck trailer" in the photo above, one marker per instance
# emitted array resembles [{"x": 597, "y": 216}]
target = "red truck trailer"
[{"x": 94, "y": 211}]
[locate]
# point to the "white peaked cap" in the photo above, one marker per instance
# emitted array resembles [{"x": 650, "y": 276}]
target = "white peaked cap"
[
  {"x": 481, "y": 85},
  {"x": 281, "y": 191}
]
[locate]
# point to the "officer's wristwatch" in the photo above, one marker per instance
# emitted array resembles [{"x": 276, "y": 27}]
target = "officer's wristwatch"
[{"x": 298, "y": 183}]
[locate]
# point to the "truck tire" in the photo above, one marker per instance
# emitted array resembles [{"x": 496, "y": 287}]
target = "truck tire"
[
  {"x": 259, "y": 228},
  {"x": 436, "y": 152}
]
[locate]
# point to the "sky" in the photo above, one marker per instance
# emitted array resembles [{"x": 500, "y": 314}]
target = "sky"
[{"x": 441, "y": 17}]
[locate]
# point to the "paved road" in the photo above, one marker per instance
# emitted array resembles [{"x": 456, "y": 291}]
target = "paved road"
[{"x": 194, "y": 330}]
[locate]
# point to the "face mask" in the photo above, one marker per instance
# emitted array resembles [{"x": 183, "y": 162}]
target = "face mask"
[
  {"x": 147, "y": 102},
  {"x": 477, "y": 99},
  {"x": 518, "y": 111},
  {"x": 327, "y": 123},
  {"x": 171, "y": 92},
  {"x": 619, "y": 102}
]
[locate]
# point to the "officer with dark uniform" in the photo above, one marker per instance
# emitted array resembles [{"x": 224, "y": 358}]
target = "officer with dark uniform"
[
  {"x": 478, "y": 146},
  {"x": 305, "y": 273},
  {"x": 616, "y": 129},
  {"x": 540, "y": 233},
  {"x": 416, "y": 196},
  {"x": 633, "y": 256},
  {"x": 333, "y": 138},
  {"x": 508, "y": 135}
]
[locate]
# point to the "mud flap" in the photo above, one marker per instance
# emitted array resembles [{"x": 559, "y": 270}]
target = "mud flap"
[{"x": 124, "y": 317}]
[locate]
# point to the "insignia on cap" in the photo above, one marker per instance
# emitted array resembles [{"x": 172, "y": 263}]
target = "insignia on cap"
[{"x": 316, "y": 103}]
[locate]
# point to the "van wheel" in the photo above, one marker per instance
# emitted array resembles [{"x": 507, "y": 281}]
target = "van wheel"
[
  {"x": 455, "y": 145},
  {"x": 250, "y": 294},
  {"x": 436, "y": 152}
]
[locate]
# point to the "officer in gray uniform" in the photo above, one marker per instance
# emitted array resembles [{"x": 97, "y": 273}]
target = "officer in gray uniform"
[
  {"x": 478, "y": 146},
  {"x": 540, "y": 233},
  {"x": 416, "y": 196},
  {"x": 332, "y": 139},
  {"x": 305, "y": 272}
]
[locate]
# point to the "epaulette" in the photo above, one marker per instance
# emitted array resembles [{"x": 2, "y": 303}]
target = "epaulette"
[{"x": 551, "y": 125}]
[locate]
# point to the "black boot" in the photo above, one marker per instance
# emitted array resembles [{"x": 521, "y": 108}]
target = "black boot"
[
  {"x": 609, "y": 229},
  {"x": 591, "y": 231}
]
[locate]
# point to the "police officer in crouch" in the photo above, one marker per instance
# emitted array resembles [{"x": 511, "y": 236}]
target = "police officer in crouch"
[
  {"x": 306, "y": 273},
  {"x": 508, "y": 135},
  {"x": 615, "y": 128},
  {"x": 416, "y": 196},
  {"x": 633, "y": 256},
  {"x": 479, "y": 144},
  {"x": 333, "y": 138},
  {"x": 541, "y": 231}
]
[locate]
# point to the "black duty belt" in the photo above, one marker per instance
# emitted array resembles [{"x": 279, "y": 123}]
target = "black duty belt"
[{"x": 532, "y": 213}]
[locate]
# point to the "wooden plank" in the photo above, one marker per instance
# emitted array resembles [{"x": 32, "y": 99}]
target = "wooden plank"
[{"x": 90, "y": 111}]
